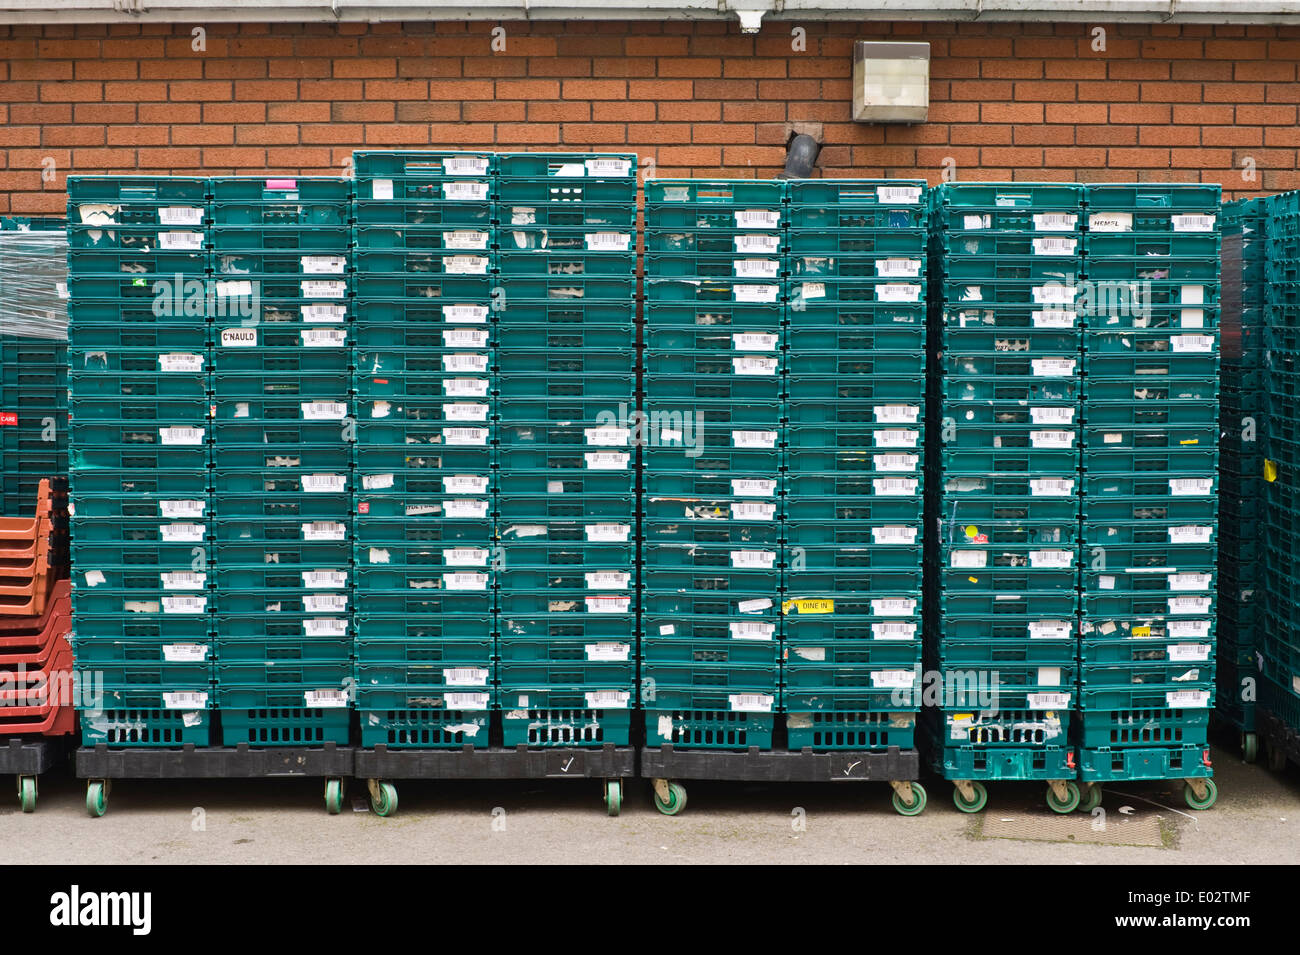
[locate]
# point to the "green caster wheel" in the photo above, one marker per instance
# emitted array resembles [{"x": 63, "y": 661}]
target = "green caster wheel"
[
  {"x": 334, "y": 796},
  {"x": 1276, "y": 758},
  {"x": 614, "y": 796},
  {"x": 674, "y": 802},
  {"x": 1068, "y": 804},
  {"x": 383, "y": 800},
  {"x": 1091, "y": 798},
  {"x": 1211, "y": 794},
  {"x": 916, "y": 806},
  {"x": 981, "y": 797},
  {"x": 96, "y": 800},
  {"x": 27, "y": 793},
  {"x": 1249, "y": 747}
]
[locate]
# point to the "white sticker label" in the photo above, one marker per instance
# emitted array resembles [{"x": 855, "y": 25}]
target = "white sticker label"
[
  {"x": 465, "y": 556},
  {"x": 465, "y": 361},
  {"x": 895, "y": 462},
  {"x": 1055, "y": 221},
  {"x": 1051, "y": 439},
  {"x": 1051, "y": 487},
  {"x": 1191, "y": 652},
  {"x": 1196, "y": 605},
  {"x": 1048, "y": 701},
  {"x": 751, "y": 630},
  {"x": 180, "y": 241},
  {"x": 323, "y": 337},
  {"x": 465, "y": 484},
  {"x": 234, "y": 289},
  {"x": 762, "y": 559},
  {"x": 465, "y": 314},
  {"x": 968, "y": 558},
  {"x": 182, "y": 508},
  {"x": 609, "y": 652},
  {"x": 894, "y": 292},
  {"x": 1192, "y": 318},
  {"x": 465, "y": 264},
  {"x": 185, "y": 652},
  {"x": 187, "y": 604},
  {"x": 1192, "y": 343},
  {"x": 608, "y": 699},
  {"x": 465, "y": 191},
  {"x": 465, "y": 165},
  {"x": 893, "y": 606},
  {"x": 894, "y": 534},
  {"x": 757, "y": 242},
  {"x": 325, "y": 626},
  {"x": 1192, "y": 295},
  {"x": 1053, "y": 318},
  {"x": 325, "y": 699},
  {"x": 608, "y": 604},
  {"x": 381, "y": 189},
  {"x": 1040, "y": 415},
  {"x": 754, "y": 606},
  {"x": 752, "y": 487},
  {"x": 1049, "y": 676},
  {"x": 466, "y": 701},
  {"x": 758, "y": 219},
  {"x": 324, "y": 483},
  {"x": 472, "y": 509},
  {"x": 753, "y": 511},
  {"x": 325, "y": 603},
  {"x": 900, "y": 195},
  {"x": 1188, "y": 629},
  {"x": 465, "y": 437},
  {"x": 756, "y": 293},
  {"x": 754, "y": 366},
  {"x": 1184, "y": 582},
  {"x": 1054, "y": 245},
  {"x": 465, "y": 337},
  {"x": 324, "y": 410},
  {"x": 465, "y": 387},
  {"x": 1192, "y": 223},
  {"x": 813, "y": 290},
  {"x": 816, "y": 654},
  {"x": 1051, "y": 630},
  {"x": 608, "y": 579},
  {"x": 893, "y": 679},
  {"x": 319, "y": 288},
  {"x": 464, "y": 411},
  {"x": 896, "y": 438},
  {"x": 608, "y": 241},
  {"x": 465, "y": 581},
  {"x": 465, "y": 676},
  {"x": 898, "y": 268},
  {"x": 184, "y": 700},
  {"x": 1110, "y": 222},
  {"x": 465, "y": 241},
  {"x": 753, "y": 341},
  {"x": 606, "y": 166},
  {"x": 238, "y": 337},
  {"x": 606, "y": 437},
  {"x": 617, "y": 533},
  {"x": 324, "y": 264},
  {"x": 324, "y": 531},
  {"x": 1190, "y": 487},
  {"x": 183, "y": 580},
  {"x": 1188, "y": 699},
  {"x": 181, "y": 436},
  {"x": 751, "y": 702},
  {"x": 1051, "y": 558},
  {"x": 606, "y": 460},
  {"x": 182, "y": 532},
  {"x": 180, "y": 215},
  {"x": 894, "y": 487},
  {"x": 324, "y": 313},
  {"x": 896, "y": 414},
  {"x": 376, "y": 482},
  {"x": 893, "y": 630},
  {"x": 753, "y": 439},
  {"x": 1052, "y": 367},
  {"x": 326, "y": 579}
]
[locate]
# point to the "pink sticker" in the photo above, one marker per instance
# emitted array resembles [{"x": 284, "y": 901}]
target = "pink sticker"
[{"x": 282, "y": 183}]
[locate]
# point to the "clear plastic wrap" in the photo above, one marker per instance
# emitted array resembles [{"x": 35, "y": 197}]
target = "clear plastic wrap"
[{"x": 33, "y": 283}]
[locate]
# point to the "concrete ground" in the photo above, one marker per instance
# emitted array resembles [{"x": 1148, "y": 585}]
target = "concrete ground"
[{"x": 1256, "y": 820}]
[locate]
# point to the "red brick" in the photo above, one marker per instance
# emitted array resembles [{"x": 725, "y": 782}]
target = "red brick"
[
  {"x": 209, "y": 135},
  {"x": 133, "y": 136},
  {"x": 415, "y": 112},
  {"x": 462, "y": 90},
  {"x": 619, "y": 112},
  {"x": 659, "y": 90},
  {"x": 591, "y": 133},
  {"x": 558, "y": 112},
  {"x": 1011, "y": 113},
  {"x": 1266, "y": 115},
  {"x": 72, "y": 92},
  {"x": 528, "y": 133},
  {"x": 594, "y": 90},
  {"x": 1076, "y": 113},
  {"x": 627, "y": 67},
  {"x": 234, "y": 113},
  {"x": 298, "y": 113},
  {"x": 980, "y": 134}
]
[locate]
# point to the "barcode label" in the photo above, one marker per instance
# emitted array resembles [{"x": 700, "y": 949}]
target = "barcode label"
[
  {"x": 465, "y": 361},
  {"x": 895, "y": 462},
  {"x": 609, "y": 652},
  {"x": 893, "y": 679},
  {"x": 903, "y": 195},
  {"x": 466, "y": 701},
  {"x": 1189, "y": 652},
  {"x": 607, "y": 166},
  {"x": 465, "y": 241},
  {"x": 1197, "y": 605},
  {"x": 1054, "y": 221},
  {"x": 465, "y": 484},
  {"x": 1110, "y": 222},
  {"x": 1052, "y": 367},
  {"x": 1052, "y": 439},
  {"x": 608, "y": 699},
  {"x": 465, "y": 676},
  {"x": 324, "y": 410},
  {"x": 608, "y": 532},
  {"x": 464, "y": 411},
  {"x": 1053, "y": 318},
  {"x": 324, "y": 483},
  {"x": 894, "y": 487},
  {"x": 608, "y": 604},
  {"x": 1041, "y": 415},
  {"x": 969, "y": 558},
  {"x": 1050, "y": 630},
  {"x": 608, "y": 241},
  {"x": 325, "y": 699},
  {"x": 898, "y": 268},
  {"x": 324, "y": 531},
  {"x": 465, "y": 338},
  {"x": 606, "y": 460},
  {"x": 180, "y": 241},
  {"x": 182, "y": 436},
  {"x": 757, "y": 218},
  {"x": 894, "y": 292},
  {"x": 757, "y": 242},
  {"x": 896, "y": 414},
  {"x": 325, "y": 603},
  {"x": 1051, "y": 487},
  {"x": 325, "y": 626},
  {"x": 465, "y": 437},
  {"x": 1190, "y": 534},
  {"x": 752, "y": 487},
  {"x": 608, "y": 580},
  {"x": 1051, "y": 558},
  {"x": 182, "y": 532},
  {"x": 185, "y": 652},
  {"x": 753, "y": 341},
  {"x": 178, "y": 361},
  {"x": 756, "y": 293},
  {"x": 465, "y": 264},
  {"x": 1183, "y": 582},
  {"x": 755, "y": 268},
  {"x": 465, "y": 191},
  {"x": 323, "y": 337},
  {"x": 183, "y": 580},
  {"x": 180, "y": 215},
  {"x": 465, "y": 387},
  {"x": 751, "y": 630},
  {"x": 1188, "y": 699},
  {"x": 893, "y": 630},
  {"x": 465, "y": 314},
  {"x": 896, "y": 438},
  {"x": 1190, "y": 487},
  {"x": 1192, "y": 223},
  {"x": 1048, "y": 701},
  {"x": 182, "y": 508},
  {"x": 1189, "y": 629},
  {"x": 323, "y": 264},
  {"x": 754, "y": 366},
  {"x": 606, "y": 437},
  {"x": 753, "y": 439},
  {"x": 1054, "y": 293},
  {"x": 474, "y": 509},
  {"x": 323, "y": 313},
  {"x": 893, "y": 606},
  {"x": 465, "y": 556},
  {"x": 1056, "y": 245},
  {"x": 187, "y": 604},
  {"x": 184, "y": 700},
  {"x": 317, "y": 288},
  {"x": 327, "y": 579},
  {"x": 753, "y": 511},
  {"x": 762, "y": 559},
  {"x": 465, "y": 165},
  {"x": 465, "y": 581},
  {"x": 751, "y": 702},
  {"x": 1192, "y": 343},
  {"x": 894, "y": 534}
]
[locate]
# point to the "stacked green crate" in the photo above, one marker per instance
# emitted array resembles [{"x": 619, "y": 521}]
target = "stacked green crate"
[
  {"x": 1150, "y": 461},
  {"x": 426, "y": 484},
  {"x": 567, "y": 403},
  {"x": 282, "y": 458},
  {"x": 851, "y": 646},
  {"x": 712, "y": 467},
  {"x": 34, "y": 358},
  {"x": 1241, "y": 483},
  {"x": 1277, "y": 640},
  {"x": 138, "y": 356},
  {"x": 1003, "y": 620}
]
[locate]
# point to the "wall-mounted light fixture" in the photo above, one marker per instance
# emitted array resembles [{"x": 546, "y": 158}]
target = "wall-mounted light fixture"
[{"x": 891, "y": 82}]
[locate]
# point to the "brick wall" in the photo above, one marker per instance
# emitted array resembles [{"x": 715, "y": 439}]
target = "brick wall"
[{"x": 1008, "y": 101}]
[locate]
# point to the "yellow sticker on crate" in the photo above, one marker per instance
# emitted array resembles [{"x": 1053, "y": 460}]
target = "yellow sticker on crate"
[
  {"x": 1141, "y": 631},
  {"x": 1270, "y": 471},
  {"x": 1191, "y": 441},
  {"x": 973, "y": 580},
  {"x": 808, "y": 605}
]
